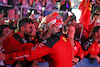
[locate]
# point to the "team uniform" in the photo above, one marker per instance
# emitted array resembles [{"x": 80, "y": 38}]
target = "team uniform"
[
  {"x": 14, "y": 43},
  {"x": 78, "y": 52},
  {"x": 57, "y": 48},
  {"x": 91, "y": 47}
]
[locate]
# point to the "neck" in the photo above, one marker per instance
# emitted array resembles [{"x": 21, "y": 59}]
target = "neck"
[{"x": 22, "y": 34}]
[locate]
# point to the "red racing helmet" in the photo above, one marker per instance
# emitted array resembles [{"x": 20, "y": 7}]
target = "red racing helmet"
[{"x": 49, "y": 21}]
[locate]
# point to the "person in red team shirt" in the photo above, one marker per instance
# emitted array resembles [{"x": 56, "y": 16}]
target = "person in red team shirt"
[
  {"x": 91, "y": 45},
  {"x": 19, "y": 41},
  {"x": 56, "y": 47},
  {"x": 5, "y": 31},
  {"x": 76, "y": 46}
]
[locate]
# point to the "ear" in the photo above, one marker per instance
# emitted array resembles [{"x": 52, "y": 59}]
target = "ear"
[{"x": 22, "y": 28}]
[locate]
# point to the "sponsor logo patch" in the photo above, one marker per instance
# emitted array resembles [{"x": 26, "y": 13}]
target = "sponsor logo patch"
[
  {"x": 41, "y": 44},
  {"x": 64, "y": 39}
]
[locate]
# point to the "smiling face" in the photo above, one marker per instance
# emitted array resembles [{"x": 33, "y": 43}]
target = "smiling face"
[
  {"x": 71, "y": 31},
  {"x": 27, "y": 29}
]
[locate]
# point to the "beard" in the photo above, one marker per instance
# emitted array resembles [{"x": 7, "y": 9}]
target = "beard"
[
  {"x": 98, "y": 37},
  {"x": 27, "y": 36}
]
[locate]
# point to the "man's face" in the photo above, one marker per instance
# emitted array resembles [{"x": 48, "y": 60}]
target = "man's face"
[
  {"x": 34, "y": 31},
  {"x": 28, "y": 30},
  {"x": 71, "y": 31},
  {"x": 55, "y": 29}
]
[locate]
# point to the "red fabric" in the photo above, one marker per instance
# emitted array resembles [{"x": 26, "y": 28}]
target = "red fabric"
[
  {"x": 94, "y": 49},
  {"x": 60, "y": 53},
  {"x": 78, "y": 52},
  {"x": 10, "y": 45},
  {"x": 85, "y": 15}
]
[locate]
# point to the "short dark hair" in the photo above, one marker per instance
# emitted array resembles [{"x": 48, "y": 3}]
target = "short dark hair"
[
  {"x": 23, "y": 21},
  {"x": 95, "y": 29},
  {"x": 1, "y": 29}
]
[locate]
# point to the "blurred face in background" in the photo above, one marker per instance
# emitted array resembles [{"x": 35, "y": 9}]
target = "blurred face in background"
[
  {"x": 71, "y": 31},
  {"x": 5, "y": 31},
  {"x": 98, "y": 36}
]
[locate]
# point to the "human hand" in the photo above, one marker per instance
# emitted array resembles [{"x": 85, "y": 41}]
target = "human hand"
[
  {"x": 17, "y": 65},
  {"x": 98, "y": 59},
  {"x": 75, "y": 60},
  {"x": 34, "y": 64},
  {"x": 35, "y": 61},
  {"x": 2, "y": 56}
]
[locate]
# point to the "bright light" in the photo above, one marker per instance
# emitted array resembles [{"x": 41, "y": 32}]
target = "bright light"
[
  {"x": 28, "y": 11},
  {"x": 32, "y": 12},
  {"x": 18, "y": 12},
  {"x": 80, "y": 0},
  {"x": 77, "y": 13},
  {"x": 43, "y": 8},
  {"x": 98, "y": 21},
  {"x": 72, "y": 4}
]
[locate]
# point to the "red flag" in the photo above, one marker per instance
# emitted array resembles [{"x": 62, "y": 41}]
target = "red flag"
[{"x": 85, "y": 7}]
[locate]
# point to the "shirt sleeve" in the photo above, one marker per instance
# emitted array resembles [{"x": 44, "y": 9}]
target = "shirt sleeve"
[
  {"x": 80, "y": 53},
  {"x": 40, "y": 51}
]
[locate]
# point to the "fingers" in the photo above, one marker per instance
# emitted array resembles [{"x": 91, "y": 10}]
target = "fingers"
[
  {"x": 35, "y": 61},
  {"x": 74, "y": 63},
  {"x": 34, "y": 65}
]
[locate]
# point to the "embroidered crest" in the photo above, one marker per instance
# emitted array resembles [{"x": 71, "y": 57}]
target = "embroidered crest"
[
  {"x": 92, "y": 49},
  {"x": 64, "y": 39}
]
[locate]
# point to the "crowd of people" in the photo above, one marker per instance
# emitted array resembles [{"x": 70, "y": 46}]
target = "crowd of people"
[
  {"x": 41, "y": 6},
  {"x": 54, "y": 42},
  {"x": 49, "y": 40}
]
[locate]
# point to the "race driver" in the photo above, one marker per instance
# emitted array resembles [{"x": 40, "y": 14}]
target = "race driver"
[{"x": 56, "y": 47}]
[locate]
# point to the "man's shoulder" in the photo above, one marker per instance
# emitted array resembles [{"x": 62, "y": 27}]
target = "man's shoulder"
[
  {"x": 51, "y": 41},
  {"x": 16, "y": 36}
]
